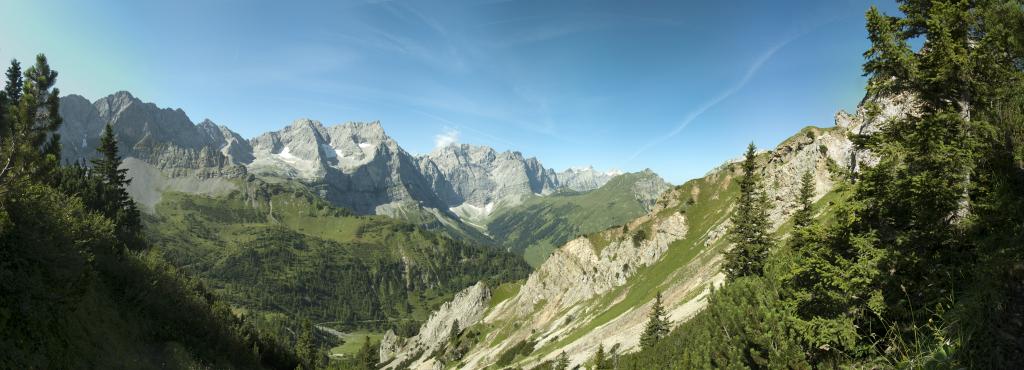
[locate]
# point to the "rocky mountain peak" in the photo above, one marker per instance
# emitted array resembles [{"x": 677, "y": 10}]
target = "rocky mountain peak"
[
  {"x": 584, "y": 178},
  {"x": 356, "y": 164}
]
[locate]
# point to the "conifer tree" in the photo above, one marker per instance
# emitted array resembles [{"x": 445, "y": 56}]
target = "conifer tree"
[
  {"x": 453, "y": 334},
  {"x": 367, "y": 357},
  {"x": 601, "y": 361},
  {"x": 305, "y": 347},
  {"x": 9, "y": 99},
  {"x": 805, "y": 215},
  {"x": 31, "y": 147},
  {"x": 914, "y": 198},
  {"x": 900, "y": 246},
  {"x": 657, "y": 324},
  {"x": 750, "y": 232},
  {"x": 122, "y": 208},
  {"x": 561, "y": 362}
]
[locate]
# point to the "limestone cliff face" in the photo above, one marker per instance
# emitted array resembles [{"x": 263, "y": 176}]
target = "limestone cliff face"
[
  {"x": 354, "y": 165},
  {"x": 164, "y": 138},
  {"x": 474, "y": 181},
  {"x": 480, "y": 176},
  {"x": 584, "y": 179},
  {"x": 465, "y": 309},
  {"x": 581, "y": 270}
]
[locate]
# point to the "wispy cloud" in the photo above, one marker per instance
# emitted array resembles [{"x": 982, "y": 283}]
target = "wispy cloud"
[
  {"x": 751, "y": 71},
  {"x": 448, "y": 137}
]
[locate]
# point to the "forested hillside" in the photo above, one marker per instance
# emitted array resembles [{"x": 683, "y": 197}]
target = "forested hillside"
[
  {"x": 80, "y": 289},
  {"x": 283, "y": 254}
]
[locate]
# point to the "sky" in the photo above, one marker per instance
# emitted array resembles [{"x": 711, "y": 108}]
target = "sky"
[{"x": 675, "y": 86}]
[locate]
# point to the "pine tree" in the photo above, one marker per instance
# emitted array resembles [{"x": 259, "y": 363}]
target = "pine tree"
[
  {"x": 9, "y": 99},
  {"x": 121, "y": 207},
  {"x": 561, "y": 362},
  {"x": 900, "y": 246},
  {"x": 657, "y": 324},
  {"x": 367, "y": 357},
  {"x": 31, "y": 148},
  {"x": 12, "y": 89},
  {"x": 805, "y": 215},
  {"x": 453, "y": 334},
  {"x": 750, "y": 231},
  {"x": 916, "y": 196},
  {"x": 305, "y": 347},
  {"x": 600, "y": 360}
]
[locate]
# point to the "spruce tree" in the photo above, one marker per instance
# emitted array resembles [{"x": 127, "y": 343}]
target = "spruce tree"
[
  {"x": 453, "y": 334},
  {"x": 367, "y": 357},
  {"x": 805, "y": 215},
  {"x": 750, "y": 232},
  {"x": 305, "y": 347},
  {"x": 901, "y": 246},
  {"x": 12, "y": 89},
  {"x": 121, "y": 207},
  {"x": 9, "y": 99},
  {"x": 600, "y": 360},
  {"x": 657, "y": 325},
  {"x": 916, "y": 196},
  {"x": 561, "y": 362}
]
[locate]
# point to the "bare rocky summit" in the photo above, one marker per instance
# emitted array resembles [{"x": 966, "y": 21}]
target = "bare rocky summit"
[{"x": 355, "y": 165}]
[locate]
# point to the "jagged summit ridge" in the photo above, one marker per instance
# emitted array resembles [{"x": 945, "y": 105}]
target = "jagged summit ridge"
[{"x": 355, "y": 164}]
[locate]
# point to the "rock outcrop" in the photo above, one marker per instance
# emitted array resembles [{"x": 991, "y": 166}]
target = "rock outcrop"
[
  {"x": 465, "y": 309},
  {"x": 584, "y": 178},
  {"x": 164, "y": 138}
]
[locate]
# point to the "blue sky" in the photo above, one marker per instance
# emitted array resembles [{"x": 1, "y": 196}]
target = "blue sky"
[{"x": 675, "y": 86}]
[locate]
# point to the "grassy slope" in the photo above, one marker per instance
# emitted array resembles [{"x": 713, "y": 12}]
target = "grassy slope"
[
  {"x": 706, "y": 202},
  {"x": 540, "y": 224},
  {"x": 306, "y": 258}
]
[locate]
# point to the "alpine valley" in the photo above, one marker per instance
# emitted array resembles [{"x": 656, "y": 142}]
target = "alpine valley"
[
  {"x": 339, "y": 224},
  {"x": 888, "y": 235}
]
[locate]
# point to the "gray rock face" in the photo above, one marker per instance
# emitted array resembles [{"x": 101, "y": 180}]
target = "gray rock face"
[
  {"x": 164, "y": 138},
  {"x": 356, "y": 164},
  {"x": 479, "y": 176},
  {"x": 583, "y": 179},
  {"x": 466, "y": 309},
  {"x": 353, "y": 165},
  {"x": 649, "y": 188}
]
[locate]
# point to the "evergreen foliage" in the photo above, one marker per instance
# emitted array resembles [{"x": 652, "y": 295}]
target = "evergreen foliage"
[
  {"x": 657, "y": 324},
  {"x": 750, "y": 231},
  {"x": 804, "y": 216},
  {"x": 920, "y": 265},
  {"x": 31, "y": 147},
  {"x": 600, "y": 361},
  {"x": 562, "y": 362},
  {"x": 72, "y": 297},
  {"x": 122, "y": 208}
]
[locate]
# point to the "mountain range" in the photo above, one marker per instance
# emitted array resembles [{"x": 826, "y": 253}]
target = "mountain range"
[{"x": 354, "y": 165}]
